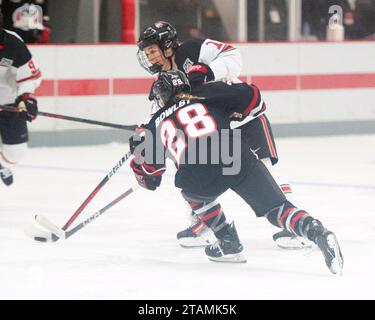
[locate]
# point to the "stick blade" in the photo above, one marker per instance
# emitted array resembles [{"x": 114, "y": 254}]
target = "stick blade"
[
  {"x": 39, "y": 235},
  {"x": 46, "y": 223}
]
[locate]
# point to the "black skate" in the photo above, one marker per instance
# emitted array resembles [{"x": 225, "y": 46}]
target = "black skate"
[
  {"x": 197, "y": 235},
  {"x": 227, "y": 249},
  {"x": 6, "y": 175},
  {"x": 328, "y": 245},
  {"x": 287, "y": 240}
]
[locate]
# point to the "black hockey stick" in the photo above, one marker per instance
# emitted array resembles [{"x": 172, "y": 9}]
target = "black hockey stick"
[
  {"x": 11, "y": 108},
  {"x": 56, "y": 232},
  {"x": 90, "y": 197},
  {"x": 100, "y": 123}
]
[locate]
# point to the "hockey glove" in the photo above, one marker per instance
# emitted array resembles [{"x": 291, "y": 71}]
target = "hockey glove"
[
  {"x": 137, "y": 138},
  {"x": 148, "y": 177},
  {"x": 199, "y": 73},
  {"x": 28, "y": 106}
]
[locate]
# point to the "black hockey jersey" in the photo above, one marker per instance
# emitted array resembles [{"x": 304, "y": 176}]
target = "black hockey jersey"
[
  {"x": 246, "y": 100},
  {"x": 196, "y": 135}
]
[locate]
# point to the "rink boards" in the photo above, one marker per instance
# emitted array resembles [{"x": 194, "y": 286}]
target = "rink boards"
[{"x": 301, "y": 82}]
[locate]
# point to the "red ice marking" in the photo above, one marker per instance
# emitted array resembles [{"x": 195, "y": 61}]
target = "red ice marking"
[
  {"x": 124, "y": 86},
  {"x": 86, "y": 87},
  {"x": 132, "y": 85},
  {"x": 337, "y": 81}
]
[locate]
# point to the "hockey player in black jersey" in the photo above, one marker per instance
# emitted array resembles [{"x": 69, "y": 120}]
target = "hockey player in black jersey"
[
  {"x": 186, "y": 126},
  {"x": 19, "y": 78},
  {"x": 203, "y": 61}
]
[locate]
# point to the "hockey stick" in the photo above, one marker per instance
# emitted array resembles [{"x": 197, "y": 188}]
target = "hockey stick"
[
  {"x": 11, "y": 108},
  {"x": 91, "y": 195},
  {"x": 100, "y": 123},
  {"x": 56, "y": 232}
]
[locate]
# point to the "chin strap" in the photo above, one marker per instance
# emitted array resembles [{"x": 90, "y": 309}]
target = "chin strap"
[{"x": 170, "y": 63}]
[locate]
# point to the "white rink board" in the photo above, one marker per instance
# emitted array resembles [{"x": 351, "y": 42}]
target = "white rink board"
[{"x": 115, "y": 61}]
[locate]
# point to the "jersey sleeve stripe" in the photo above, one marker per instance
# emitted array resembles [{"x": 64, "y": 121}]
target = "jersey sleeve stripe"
[
  {"x": 253, "y": 101},
  {"x": 34, "y": 76},
  {"x": 268, "y": 137},
  {"x": 228, "y": 47}
]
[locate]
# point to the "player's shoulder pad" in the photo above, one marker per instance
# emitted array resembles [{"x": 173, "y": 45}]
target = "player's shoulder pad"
[
  {"x": 188, "y": 52},
  {"x": 210, "y": 89},
  {"x": 12, "y": 35},
  {"x": 218, "y": 95},
  {"x": 16, "y": 49}
]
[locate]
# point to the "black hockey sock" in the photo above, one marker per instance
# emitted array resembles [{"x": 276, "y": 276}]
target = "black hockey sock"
[
  {"x": 212, "y": 215},
  {"x": 288, "y": 217}
]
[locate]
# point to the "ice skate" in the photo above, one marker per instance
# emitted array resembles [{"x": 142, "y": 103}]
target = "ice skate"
[
  {"x": 197, "y": 235},
  {"x": 287, "y": 240},
  {"x": 328, "y": 245},
  {"x": 227, "y": 249},
  {"x": 6, "y": 175}
]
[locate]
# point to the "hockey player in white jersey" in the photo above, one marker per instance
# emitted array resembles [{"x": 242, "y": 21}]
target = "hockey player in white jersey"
[
  {"x": 206, "y": 60},
  {"x": 19, "y": 78}
]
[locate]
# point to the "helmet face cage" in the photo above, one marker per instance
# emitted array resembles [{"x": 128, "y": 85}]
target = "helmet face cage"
[
  {"x": 161, "y": 33},
  {"x": 146, "y": 64},
  {"x": 168, "y": 85}
]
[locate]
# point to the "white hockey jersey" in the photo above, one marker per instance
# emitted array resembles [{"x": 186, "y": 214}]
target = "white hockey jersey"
[
  {"x": 18, "y": 71},
  {"x": 224, "y": 60}
]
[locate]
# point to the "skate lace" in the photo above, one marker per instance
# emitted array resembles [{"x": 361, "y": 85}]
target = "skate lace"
[
  {"x": 216, "y": 246},
  {"x": 5, "y": 173}
]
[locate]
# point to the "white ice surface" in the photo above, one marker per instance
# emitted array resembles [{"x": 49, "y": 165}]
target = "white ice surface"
[{"x": 131, "y": 251}]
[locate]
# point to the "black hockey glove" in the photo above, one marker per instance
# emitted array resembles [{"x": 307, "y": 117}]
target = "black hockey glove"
[
  {"x": 199, "y": 73},
  {"x": 148, "y": 177},
  {"x": 27, "y": 105},
  {"x": 137, "y": 138}
]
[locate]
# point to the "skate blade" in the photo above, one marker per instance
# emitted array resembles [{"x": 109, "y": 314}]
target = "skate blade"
[
  {"x": 337, "y": 263},
  {"x": 193, "y": 242},
  {"x": 295, "y": 243},
  {"x": 231, "y": 258}
]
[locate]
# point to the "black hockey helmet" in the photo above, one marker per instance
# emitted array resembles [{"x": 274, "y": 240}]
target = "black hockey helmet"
[
  {"x": 161, "y": 33},
  {"x": 168, "y": 85}
]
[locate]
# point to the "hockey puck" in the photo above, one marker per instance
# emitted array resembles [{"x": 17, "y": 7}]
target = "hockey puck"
[{"x": 40, "y": 239}]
